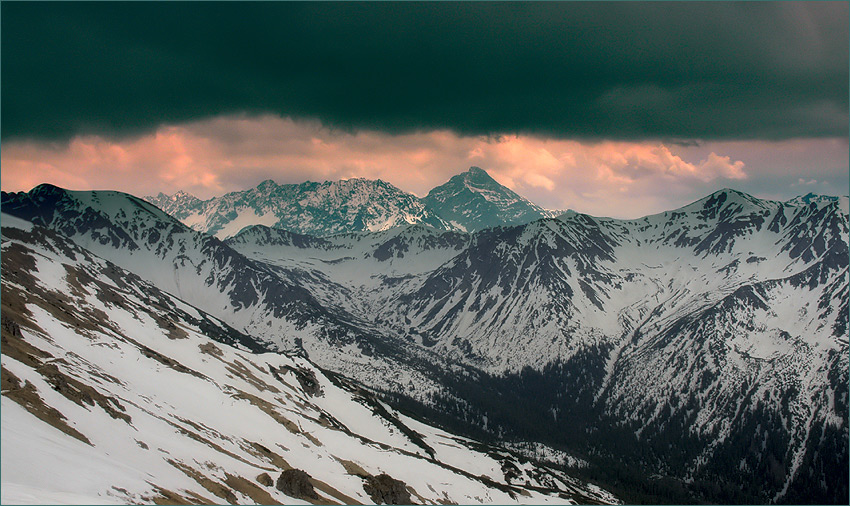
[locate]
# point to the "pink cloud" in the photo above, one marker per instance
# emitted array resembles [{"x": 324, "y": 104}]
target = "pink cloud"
[{"x": 232, "y": 153}]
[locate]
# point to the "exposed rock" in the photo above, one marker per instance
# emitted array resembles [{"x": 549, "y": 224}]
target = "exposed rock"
[
  {"x": 265, "y": 480},
  {"x": 296, "y": 483},
  {"x": 10, "y": 326},
  {"x": 384, "y": 489},
  {"x": 306, "y": 378}
]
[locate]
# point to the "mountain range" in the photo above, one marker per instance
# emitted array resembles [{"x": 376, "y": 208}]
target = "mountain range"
[
  {"x": 699, "y": 354},
  {"x": 467, "y": 202},
  {"x": 117, "y": 392}
]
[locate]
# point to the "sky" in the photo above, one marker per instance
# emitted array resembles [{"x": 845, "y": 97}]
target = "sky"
[{"x": 618, "y": 109}]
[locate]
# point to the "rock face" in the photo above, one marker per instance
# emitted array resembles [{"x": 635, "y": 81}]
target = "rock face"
[
  {"x": 296, "y": 483},
  {"x": 384, "y": 489},
  {"x": 265, "y": 480},
  {"x": 307, "y": 380}
]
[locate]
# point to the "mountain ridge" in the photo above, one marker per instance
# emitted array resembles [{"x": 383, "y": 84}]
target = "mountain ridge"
[
  {"x": 575, "y": 318},
  {"x": 469, "y": 201},
  {"x": 347, "y": 205},
  {"x": 343, "y": 206},
  {"x": 720, "y": 257}
]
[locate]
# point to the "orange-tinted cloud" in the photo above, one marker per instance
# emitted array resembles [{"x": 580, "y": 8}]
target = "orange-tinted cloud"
[{"x": 233, "y": 153}]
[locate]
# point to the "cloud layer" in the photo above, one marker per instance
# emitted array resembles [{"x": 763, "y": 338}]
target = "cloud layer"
[
  {"x": 211, "y": 157},
  {"x": 587, "y": 70}
]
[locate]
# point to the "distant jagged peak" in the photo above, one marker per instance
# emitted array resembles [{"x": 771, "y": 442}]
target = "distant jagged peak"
[
  {"x": 361, "y": 182},
  {"x": 344, "y": 184},
  {"x": 267, "y": 185},
  {"x": 473, "y": 200},
  {"x": 172, "y": 196},
  {"x": 476, "y": 177},
  {"x": 555, "y": 213},
  {"x": 819, "y": 200},
  {"x": 727, "y": 198},
  {"x": 179, "y": 204},
  {"x": 355, "y": 180},
  {"x": 314, "y": 208},
  {"x": 475, "y": 172},
  {"x": 181, "y": 194}
]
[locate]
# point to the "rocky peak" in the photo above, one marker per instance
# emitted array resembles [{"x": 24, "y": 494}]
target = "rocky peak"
[
  {"x": 477, "y": 173},
  {"x": 473, "y": 200}
]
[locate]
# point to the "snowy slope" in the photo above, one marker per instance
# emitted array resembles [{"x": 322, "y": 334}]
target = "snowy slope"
[
  {"x": 269, "y": 304},
  {"x": 115, "y": 392},
  {"x": 349, "y": 205}
]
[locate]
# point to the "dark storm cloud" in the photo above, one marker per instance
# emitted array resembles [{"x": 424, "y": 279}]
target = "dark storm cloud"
[{"x": 628, "y": 70}]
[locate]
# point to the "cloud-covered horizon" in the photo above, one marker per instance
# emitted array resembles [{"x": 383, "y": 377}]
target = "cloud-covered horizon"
[
  {"x": 625, "y": 71},
  {"x": 609, "y": 108},
  {"x": 605, "y": 178}
]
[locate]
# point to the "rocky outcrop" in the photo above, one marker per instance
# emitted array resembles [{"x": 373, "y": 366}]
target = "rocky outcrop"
[
  {"x": 384, "y": 489},
  {"x": 265, "y": 480},
  {"x": 296, "y": 483}
]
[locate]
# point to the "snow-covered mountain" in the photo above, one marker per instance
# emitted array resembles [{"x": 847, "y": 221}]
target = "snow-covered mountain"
[
  {"x": 689, "y": 329},
  {"x": 181, "y": 205},
  {"x": 349, "y": 205},
  {"x": 706, "y": 345},
  {"x": 473, "y": 201},
  {"x": 269, "y": 303},
  {"x": 115, "y": 392},
  {"x": 469, "y": 201},
  {"x": 820, "y": 200}
]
